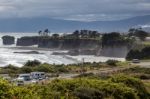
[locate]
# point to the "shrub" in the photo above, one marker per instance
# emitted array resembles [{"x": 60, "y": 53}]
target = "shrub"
[
  {"x": 88, "y": 93},
  {"x": 136, "y": 54},
  {"x": 62, "y": 69},
  {"x": 32, "y": 63},
  {"x": 132, "y": 83},
  {"x": 46, "y": 93},
  {"x": 44, "y": 68},
  {"x": 102, "y": 88},
  {"x": 23, "y": 93},
  {"x": 26, "y": 69},
  {"x": 5, "y": 89},
  {"x": 9, "y": 70},
  {"x": 112, "y": 62}
]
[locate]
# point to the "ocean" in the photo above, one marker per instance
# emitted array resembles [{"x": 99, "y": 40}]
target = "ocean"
[{"x": 7, "y": 55}]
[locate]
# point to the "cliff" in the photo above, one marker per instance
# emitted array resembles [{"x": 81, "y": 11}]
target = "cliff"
[
  {"x": 53, "y": 43},
  {"x": 114, "y": 51},
  {"x": 68, "y": 43},
  {"x": 82, "y": 46},
  {"x": 27, "y": 41},
  {"x": 8, "y": 40}
]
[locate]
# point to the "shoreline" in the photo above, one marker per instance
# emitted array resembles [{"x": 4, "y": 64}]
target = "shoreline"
[{"x": 32, "y": 48}]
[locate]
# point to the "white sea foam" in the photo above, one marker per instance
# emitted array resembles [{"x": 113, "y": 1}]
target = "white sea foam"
[{"x": 7, "y": 55}]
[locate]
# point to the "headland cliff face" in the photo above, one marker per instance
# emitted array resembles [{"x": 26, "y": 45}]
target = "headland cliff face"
[
  {"x": 114, "y": 51},
  {"x": 64, "y": 44},
  {"x": 27, "y": 41},
  {"x": 77, "y": 46}
]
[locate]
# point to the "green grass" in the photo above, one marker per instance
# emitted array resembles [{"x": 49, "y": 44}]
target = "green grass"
[
  {"x": 146, "y": 43},
  {"x": 122, "y": 64}
]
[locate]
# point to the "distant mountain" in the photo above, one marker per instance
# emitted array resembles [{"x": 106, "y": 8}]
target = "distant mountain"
[{"x": 56, "y": 25}]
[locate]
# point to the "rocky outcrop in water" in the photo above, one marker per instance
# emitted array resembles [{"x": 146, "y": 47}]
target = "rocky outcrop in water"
[
  {"x": 8, "y": 40},
  {"x": 29, "y": 52}
]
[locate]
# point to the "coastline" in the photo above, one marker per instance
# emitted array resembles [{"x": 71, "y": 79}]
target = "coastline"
[{"x": 30, "y": 48}]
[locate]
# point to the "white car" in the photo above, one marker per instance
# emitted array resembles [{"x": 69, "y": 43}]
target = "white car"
[{"x": 135, "y": 61}]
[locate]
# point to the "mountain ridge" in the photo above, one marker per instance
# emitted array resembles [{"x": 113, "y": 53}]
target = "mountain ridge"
[{"x": 58, "y": 25}]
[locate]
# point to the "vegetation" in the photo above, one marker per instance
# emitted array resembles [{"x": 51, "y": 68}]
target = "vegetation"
[
  {"x": 31, "y": 66},
  {"x": 115, "y": 38},
  {"x": 84, "y": 86},
  {"x": 133, "y": 83},
  {"x": 46, "y": 32},
  {"x": 141, "y": 34},
  {"x": 115, "y": 87},
  {"x": 137, "y": 70},
  {"x": 137, "y": 54},
  {"x": 112, "y": 62},
  {"x": 32, "y": 63}
]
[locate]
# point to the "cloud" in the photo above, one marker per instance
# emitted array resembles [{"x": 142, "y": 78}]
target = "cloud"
[
  {"x": 83, "y": 10},
  {"x": 145, "y": 26}
]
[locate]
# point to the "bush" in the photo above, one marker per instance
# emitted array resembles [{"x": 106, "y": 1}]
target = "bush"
[
  {"x": 88, "y": 93},
  {"x": 117, "y": 87},
  {"x": 136, "y": 54},
  {"x": 26, "y": 69},
  {"x": 23, "y": 93},
  {"x": 112, "y": 62},
  {"x": 5, "y": 89},
  {"x": 9, "y": 70},
  {"x": 138, "y": 70},
  {"x": 62, "y": 69},
  {"x": 32, "y": 63},
  {"x": 132, "y": 83},
  {"x": 46, "y": 93},
  {"x": 102, "y": 88},
  {"x": 44, "y": 68},
  {"x": 143, "y": 76}
]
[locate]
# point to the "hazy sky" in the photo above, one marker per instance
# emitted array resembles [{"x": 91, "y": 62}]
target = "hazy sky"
[{"x": 85, "y": 10}]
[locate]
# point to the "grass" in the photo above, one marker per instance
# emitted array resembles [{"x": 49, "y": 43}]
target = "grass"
[
  {"x": 147, "y": 85},
  {"x": 123, "y": 64},
  {"x": 145, "y": 60},
  {"x": 146, "y": 43}
]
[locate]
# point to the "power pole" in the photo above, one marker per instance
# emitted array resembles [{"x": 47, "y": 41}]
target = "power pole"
[{"x": 82, "y": 66}]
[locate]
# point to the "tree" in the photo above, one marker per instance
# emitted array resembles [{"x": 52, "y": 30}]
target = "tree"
[
  {"x": 93, "y": 34},
  {"x": 32, "y": 63},
  {"x": 131, "y": 32},
  {"x": 55, "y": 35},
  {"x": 40, "y": 32},
  {"x": 112, "y": 38},
  {"x": 76, "y": 34},
  {"x": 46, "y": 32},
  {"x": 141, "y": 34}
]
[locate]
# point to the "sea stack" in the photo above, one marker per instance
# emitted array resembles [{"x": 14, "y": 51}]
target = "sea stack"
[{"x": 8, "y": 40}]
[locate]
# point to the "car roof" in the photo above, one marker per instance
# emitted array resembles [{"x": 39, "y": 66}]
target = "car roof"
[{"x": 24, "y": 74}]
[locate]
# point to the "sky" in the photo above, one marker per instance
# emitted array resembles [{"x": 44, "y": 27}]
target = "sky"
[{"x": 81, "y": 10}]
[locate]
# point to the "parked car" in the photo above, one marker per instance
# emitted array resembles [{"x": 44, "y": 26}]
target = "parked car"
[
  {"x": 135, "y": 61},
  {"x": 23, "y": 79}
]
